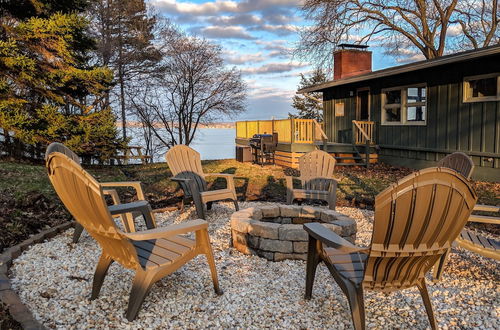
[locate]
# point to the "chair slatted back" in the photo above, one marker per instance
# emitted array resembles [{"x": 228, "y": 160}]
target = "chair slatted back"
[
  {"x": 185, "y": 163},
  {"x": 315, "y": 166},
  {"x": 459, "y": 162},
  {"x": 59, "y": 147},
  {"x": 416, "y": 221},
  {"x": 83, "y": 196}
]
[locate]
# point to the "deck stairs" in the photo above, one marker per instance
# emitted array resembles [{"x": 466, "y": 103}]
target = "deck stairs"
[{"x": 344, "y": 153}]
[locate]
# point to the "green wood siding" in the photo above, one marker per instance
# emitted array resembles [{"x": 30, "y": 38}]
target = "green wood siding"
[{"x": 451, "y": 124}]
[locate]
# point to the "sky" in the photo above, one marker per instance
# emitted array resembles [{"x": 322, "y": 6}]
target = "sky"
[{"x": 257, "y": 37}]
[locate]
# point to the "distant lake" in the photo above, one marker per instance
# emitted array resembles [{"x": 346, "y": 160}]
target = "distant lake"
[
  {"x": 215, "y": 143},
  {"x": 211, "y": 143}
]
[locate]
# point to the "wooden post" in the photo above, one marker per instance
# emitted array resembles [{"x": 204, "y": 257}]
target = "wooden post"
[{"x": 292, "y": 130}]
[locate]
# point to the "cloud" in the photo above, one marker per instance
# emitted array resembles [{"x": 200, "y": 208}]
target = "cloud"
[
  {"x": 270, "y": 92},
  {"x": 233, "y": 57},
  {"x": 217, "y": 7},
  {"x": 224, "y": 32},
  {"x": 238, "y": 19},
  {"x": 273, "y": 68},
  {"x": 281, "y": 30}
]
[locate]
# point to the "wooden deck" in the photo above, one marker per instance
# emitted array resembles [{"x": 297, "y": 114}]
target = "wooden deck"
[{"x": 299, "y": 136}]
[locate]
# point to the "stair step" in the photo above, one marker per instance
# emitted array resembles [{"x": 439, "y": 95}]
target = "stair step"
[
  {"x": 350, "y": 164},
  {"x": 341, "y": 158}
]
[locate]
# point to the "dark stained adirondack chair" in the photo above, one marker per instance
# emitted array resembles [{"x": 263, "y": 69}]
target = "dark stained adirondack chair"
[
  {"x": 416, "y": 221},
  {"x": 316, "y": 177},
  {"x": 139, "y": 207},
  {"x": 185, "y": 164},
  {"x": 459, "y": 162},
  {"x": 152, "y": 254}
]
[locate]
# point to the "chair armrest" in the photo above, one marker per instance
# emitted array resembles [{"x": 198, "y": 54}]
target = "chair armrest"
[
  {"x": 140, "y": 206},
  {"x": 114, "y": 195},
  {"x": 134, "y": 184},
  {"x": 229, "y": 178},
  {"x": 172, "y": 230},
  {"x": 330, "y": 239},
  {"x": 186, "y": 184},
  {"x": 129, "y": 207}
]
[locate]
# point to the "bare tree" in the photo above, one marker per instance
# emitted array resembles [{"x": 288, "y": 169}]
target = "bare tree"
[
  {"x": 429, "y": 27},
  {"x": 194, "y": 87}
]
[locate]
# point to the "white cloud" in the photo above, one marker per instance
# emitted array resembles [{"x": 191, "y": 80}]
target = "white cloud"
[
  {"x": 233, "y": 57},
  {"x": 217, "y": 7},
  {"x": 282, "y": 30},
  {"x": 273, "y": 68},
  {"x": 225, "y": 32}
]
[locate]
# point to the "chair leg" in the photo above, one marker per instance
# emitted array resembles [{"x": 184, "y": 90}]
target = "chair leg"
[
  {"x": 332, "y": 201},
  {"x": 200, "y": 210},
  {"x": 100, "y": 274},
  {"x": 204, "y": 241},
  {"x": 312, "y": 263},
  {"x": 289, "y": 197},
  {"x": 77, "y": 233},
  {"x": 439, "y": 267},
  {"x": 236, "y": 206},
  {"x": 422, "y": 287},
  {"x": 181, "y": 206},
  {"x": 357, "y": 305},
  {"x": 140, "y": 288}
]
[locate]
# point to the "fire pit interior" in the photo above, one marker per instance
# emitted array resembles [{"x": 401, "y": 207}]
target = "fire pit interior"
[{"x": 275, "y": 232}]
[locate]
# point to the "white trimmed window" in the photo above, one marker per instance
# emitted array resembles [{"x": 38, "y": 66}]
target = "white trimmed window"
[
  {"x": 482, "y": 88},
  {"x": 404, "y": 105}
]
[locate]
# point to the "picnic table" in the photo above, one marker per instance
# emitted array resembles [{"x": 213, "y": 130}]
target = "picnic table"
[{"x": 128, "y": 153}]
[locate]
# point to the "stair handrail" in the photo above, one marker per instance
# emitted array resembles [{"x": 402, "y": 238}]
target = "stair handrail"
[
  {"x": 324, "y": 137},
  {"x": 360, "y": 128}
]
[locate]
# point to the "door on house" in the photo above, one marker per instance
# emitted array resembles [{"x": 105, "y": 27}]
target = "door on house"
[{"x": 363, "y": 104}]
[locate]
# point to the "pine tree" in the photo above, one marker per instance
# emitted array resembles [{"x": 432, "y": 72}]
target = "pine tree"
[
  {"x": 48, "y": 92},
  {"x": 310, "y": 106},
  {"x": 124, "y": 33}
]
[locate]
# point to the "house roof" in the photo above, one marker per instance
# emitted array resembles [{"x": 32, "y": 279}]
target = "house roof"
[{"x": 447, "y": 59}]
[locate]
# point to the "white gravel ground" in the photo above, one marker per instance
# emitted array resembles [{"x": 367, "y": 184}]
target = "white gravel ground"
[{"x": 54, "y": 279}]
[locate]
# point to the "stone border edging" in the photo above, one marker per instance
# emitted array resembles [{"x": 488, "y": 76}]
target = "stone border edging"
[{"x": 8, "y": 296}]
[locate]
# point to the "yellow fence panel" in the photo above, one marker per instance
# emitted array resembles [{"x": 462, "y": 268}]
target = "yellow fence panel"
[
  {"x": 265, "y": 126},
  {"x": 289, "y": 130},
  {"x": 283, "y": 128},
  {"x": 252, "y": 128},
  {"x": 241, "y": 129}
]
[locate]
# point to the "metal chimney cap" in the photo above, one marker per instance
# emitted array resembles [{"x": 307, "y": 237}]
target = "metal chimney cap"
[{"x": 355, "y": 46}]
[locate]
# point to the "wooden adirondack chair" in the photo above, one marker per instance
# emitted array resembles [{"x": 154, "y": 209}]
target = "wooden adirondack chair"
[
  {"x": 316, "y": 177},
  {"x": 459, "y": 162},
  {"x": 140, "y": 207},
  {"x": 469, "y": 239},
  {"x": 185, "y": 165},
  {"x": 152, "y": 254},
  {"x": 416, "y": 221}
]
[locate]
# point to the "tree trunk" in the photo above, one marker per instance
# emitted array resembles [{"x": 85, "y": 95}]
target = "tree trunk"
[{"x": 122, "y": 101}]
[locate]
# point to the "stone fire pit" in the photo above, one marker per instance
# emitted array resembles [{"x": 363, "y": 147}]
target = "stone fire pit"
[{"x": 275, "y": 232}]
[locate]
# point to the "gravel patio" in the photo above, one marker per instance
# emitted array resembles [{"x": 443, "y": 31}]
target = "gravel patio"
[{"x": 54, "y": 280}]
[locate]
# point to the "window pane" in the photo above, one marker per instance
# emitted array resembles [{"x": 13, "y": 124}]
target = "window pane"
[
  {"x": 416, "y": 94},
  {"x": 393, "y": 97},
  {"x": 416, "y": 113},
  {"x": 483, "y": 87},
  {"x": 393, "y": 115}
]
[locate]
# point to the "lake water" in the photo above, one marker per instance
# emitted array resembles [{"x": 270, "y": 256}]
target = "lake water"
[
  {"x": 215, "y": 143},
  {"x": 211, "y": 143}
]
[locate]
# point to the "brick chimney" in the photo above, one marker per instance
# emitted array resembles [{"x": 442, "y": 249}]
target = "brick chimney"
[{"x": 351, "y": 60}]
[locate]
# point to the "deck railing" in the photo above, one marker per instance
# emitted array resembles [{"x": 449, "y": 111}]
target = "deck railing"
[
  {"x": 289, "y": 130},
  {"x": 363, "y": 132}
]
